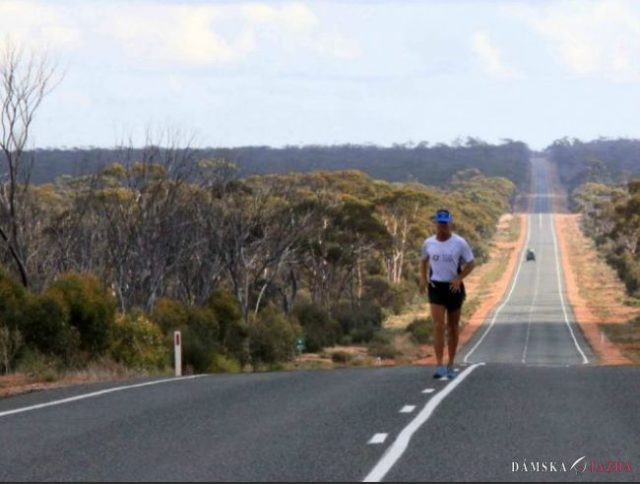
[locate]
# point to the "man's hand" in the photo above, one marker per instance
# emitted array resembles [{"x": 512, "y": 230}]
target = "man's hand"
[{"x": 455, "y": 284}]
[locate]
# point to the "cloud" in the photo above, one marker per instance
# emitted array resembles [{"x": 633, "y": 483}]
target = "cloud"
[
  {"x": 37, "y": 26},
  {"x": 591, "y": 38},
  {"x": 201, "y": 34},
  {"x": 491, "y": 58},
  {"x": 295, "y": 16},
  {"x": 175, "y": 34}
]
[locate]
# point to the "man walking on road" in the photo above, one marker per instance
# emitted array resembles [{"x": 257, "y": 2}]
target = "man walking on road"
[{"x": 446, "y": 260}]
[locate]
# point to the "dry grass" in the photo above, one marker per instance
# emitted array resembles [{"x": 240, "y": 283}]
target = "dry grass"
[
  {"x": 595, "y": 293},
  {"x": 103, "y": 371},
  {"x": 598, "y": 297}
]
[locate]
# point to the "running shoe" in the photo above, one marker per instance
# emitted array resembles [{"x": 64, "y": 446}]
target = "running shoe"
[{"x": 441, "y": 373}]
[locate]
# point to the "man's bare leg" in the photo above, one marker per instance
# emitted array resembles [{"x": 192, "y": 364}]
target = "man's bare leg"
[
  {"x": 453, "y": 320},
  {"x": 438, "y": 317}
]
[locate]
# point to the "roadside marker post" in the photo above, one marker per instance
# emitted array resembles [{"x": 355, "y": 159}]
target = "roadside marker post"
[{"x": 177, "y": 351}]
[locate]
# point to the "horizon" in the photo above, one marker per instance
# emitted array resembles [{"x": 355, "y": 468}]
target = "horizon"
[
  {"x": 456, "y": 143},
  {"x": 299, "y": 73}
]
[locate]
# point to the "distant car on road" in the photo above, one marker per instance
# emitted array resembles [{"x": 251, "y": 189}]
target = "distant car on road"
[{"x": 531, "y": 255}]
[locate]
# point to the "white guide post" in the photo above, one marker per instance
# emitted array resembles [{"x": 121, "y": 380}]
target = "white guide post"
[{"x": 177, "y": 351}]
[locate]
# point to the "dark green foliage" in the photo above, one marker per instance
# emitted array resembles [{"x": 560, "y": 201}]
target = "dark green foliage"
[
  {"x": 421, "y": 330},
  {"x": 319, "y": 329},
  {"x": 170, "y": 314},
  {"x": 196, "y": 353},
  {"x": 13, "y": 298},
  {"x": 434, "y": 165},
  {"x": 611, "y": 217},
  {"x": 226, "y": 309},
  {"x": 359, "y": 321},
  {"x": 272, "y": 337},
  {"x": 90, "y": 307},
  {"x": 609, "y": 161},
  {"x": 47, "y": 326},
  {"x": 390, "y": 296},
  {"x": 138, "y": 342}
]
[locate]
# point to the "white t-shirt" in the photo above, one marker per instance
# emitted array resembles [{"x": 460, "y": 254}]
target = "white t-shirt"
[{"x": 445, "y": 258}]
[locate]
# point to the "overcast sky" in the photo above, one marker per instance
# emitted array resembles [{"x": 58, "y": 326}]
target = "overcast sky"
[{"x": 277, "y": 73}]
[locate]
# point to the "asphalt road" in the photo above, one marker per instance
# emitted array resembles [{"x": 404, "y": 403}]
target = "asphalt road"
[
  {"x": 534, "y": 325},
  {"x": 501, "y": 419}
]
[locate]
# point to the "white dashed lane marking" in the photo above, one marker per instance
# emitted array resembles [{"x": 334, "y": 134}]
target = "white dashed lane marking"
[
  {"x": 377, "y": 439},
  {"x": 407, "y": 409}
]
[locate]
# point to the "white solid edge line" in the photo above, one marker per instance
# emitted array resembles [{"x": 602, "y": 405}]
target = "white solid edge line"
[
  {"x": 92, "y": 395},
  {"x": 401, "y": 443},
  {"x": 585, "y": 360},
  {"x": 504, "y": 303}
]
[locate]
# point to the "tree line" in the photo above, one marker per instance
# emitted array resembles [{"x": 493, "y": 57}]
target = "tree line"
[
  {"x": 115, "y": 261},
  {"x": 609, "y": 161},
  {"x": 421, "y": 162},
  {"x": 611, "y": 218}
]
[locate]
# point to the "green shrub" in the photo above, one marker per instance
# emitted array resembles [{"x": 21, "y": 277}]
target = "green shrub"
[
  {"x": 319, "y": 329},
  {"x": 39, "y": 367},
  {"x": 13, "y": 299},
  {"x": 11, "y": 343},
  {"x": 236, "y": 341},
  {"x": 382, "y": 350},
  {"x": 395, "y": 297},
  {"x": 91, "y": 309},
  {"x": 196, "y": 354},
  {"x": 224, "y": 364},
  {"x": 421, "y": 330},
  {"x": 170, "y": 314},
  {"x": 137, "y": 342},
  {"x": 226, "y": 308},
  {"x": 272, "y": 337},
  {"x": 360, "y": 321},
  {"x": 47, "y": 328},
  {"x": 204, "y": 324}
]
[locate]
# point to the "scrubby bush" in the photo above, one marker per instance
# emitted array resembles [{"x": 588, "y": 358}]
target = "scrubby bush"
[
  {"x": 39, "y": 367},
  {"x": 382, "y": 349},
  {"x": 47, "y": 327},
  {"x": 200, "y": 338},
  {"x": 320, "y": 330},
  {"x": 10, "y": 345},
  {"x": 91, "y": 309},
  {"x": 224, "y": 364},
  {"x": 13, "y": 299},
  {"x": 341, "y": 357},
  {"x": 196, "y": 354},
  {"x": 138, "y": 342},
  {"x": 170, "y": 314},
  {"x": 236, "y": 341},
  {"x": 272, "y": 337},
  {"x": 421, "y": 330},
  {"x": 204, "y": 324},
  {"x": 226, "y": 308},
  {"x": 390, "y": 296},
  {"x": 360, "y": 322}
]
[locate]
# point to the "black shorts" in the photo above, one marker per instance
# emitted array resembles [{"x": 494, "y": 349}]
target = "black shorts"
[{"x": 440, "y": 293}]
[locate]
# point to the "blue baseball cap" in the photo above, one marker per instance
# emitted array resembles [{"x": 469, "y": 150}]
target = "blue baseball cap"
[{"x": 443, "y": 216}]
